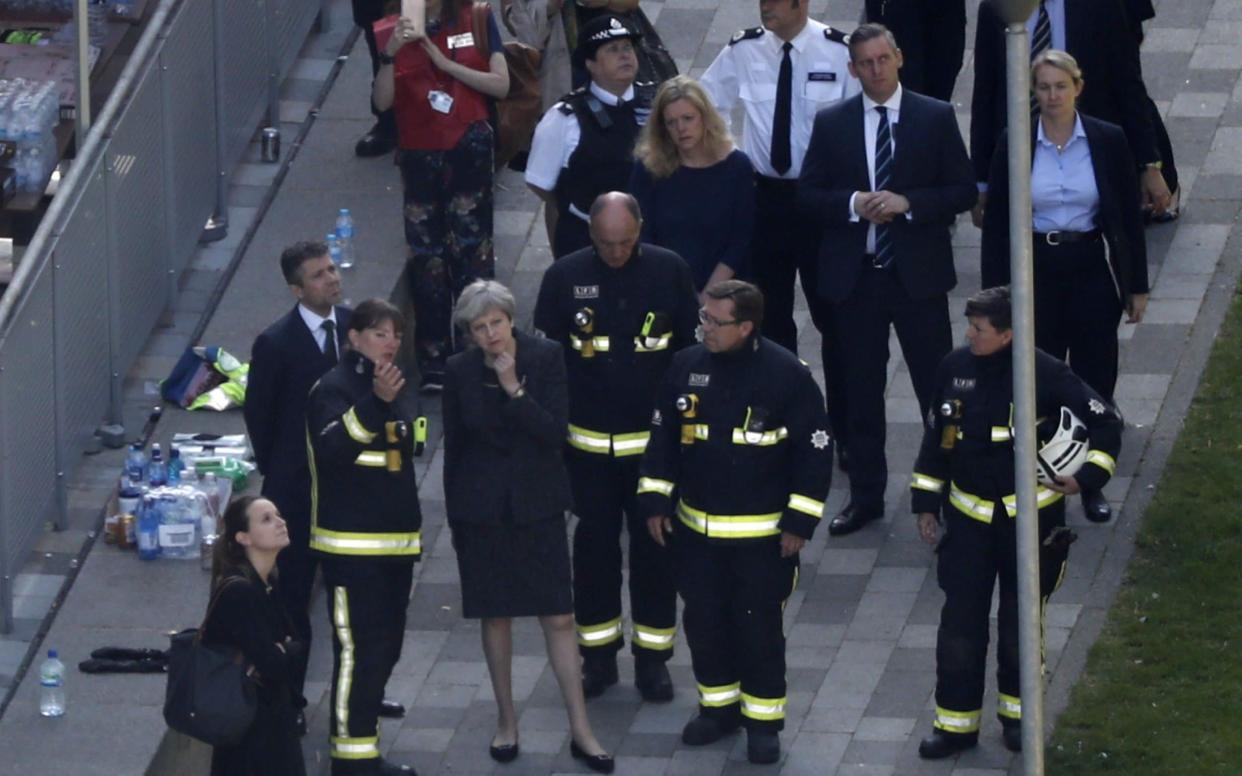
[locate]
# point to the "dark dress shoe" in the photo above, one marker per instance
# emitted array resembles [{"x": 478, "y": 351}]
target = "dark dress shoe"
[
  {"x": 652, "y": 680},
  {"x": 598, "y": 674},
  {"x": 299, "y": 722},
  {"x": 1096, "y": 507},
  {"x": 1012, "y": 736},
  {"x": 504, "y": 753},
  {"x": 940, "y": 744},
  {"x": 851, "y": 519},
  {"x": 704, "y": 730},
  {"x": 763, "y": 747},
  {"x": 391, "y": 709},
  {"x": 600, "y": 763},
  {"x": 376, "y": 142},
  {"x": 392, "y": 769}
]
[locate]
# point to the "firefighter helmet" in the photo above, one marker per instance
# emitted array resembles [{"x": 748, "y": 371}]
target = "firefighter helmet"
[{"x": 1064, "y": 450}]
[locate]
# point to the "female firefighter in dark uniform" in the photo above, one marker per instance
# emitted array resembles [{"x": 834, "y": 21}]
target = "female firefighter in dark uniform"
[{"x": 365, "y": 524}]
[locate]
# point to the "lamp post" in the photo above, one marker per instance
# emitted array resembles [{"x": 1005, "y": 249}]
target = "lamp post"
[{"x": 1015, "y": 14}]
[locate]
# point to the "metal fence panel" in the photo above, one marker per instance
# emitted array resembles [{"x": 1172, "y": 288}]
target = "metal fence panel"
[
  {"x": 81, "y": 350},
  {"x": 246, "y": 53},
  {"x": 136, "y": 212},
  {"x": 292, "y": 20},
  {"x": 28, "y": 409},
  {"x": 189, "y": 101}
]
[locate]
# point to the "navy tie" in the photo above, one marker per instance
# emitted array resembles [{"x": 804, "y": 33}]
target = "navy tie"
[
  {"x": 883, "y": 174},
  {"x": 329, "y": 341},
  {"x": 782, "y": 160},
  {"x": 1041, "y": 41}
]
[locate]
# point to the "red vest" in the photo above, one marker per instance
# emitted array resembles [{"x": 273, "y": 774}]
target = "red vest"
[{"x": 419, "y": 126}]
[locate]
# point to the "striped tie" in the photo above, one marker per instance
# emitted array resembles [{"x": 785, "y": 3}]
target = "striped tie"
[
  {"x": 883, "y": 173},
  {"x": 1041, "y": 41}
]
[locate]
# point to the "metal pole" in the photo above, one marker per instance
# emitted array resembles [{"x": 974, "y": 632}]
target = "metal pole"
[
  {"x": 82, "y": 55},
  {"x": 217, "y": 226},
  {"x": 1030, "y": 635}
]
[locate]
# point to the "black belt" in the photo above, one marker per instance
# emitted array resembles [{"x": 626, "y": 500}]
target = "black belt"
[{"x": 1061, "y": 238}]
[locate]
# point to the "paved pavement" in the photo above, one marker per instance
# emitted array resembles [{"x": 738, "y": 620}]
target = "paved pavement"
[{"x": 862, "y": 624}]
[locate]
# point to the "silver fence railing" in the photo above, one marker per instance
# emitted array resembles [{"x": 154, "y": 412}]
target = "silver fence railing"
[{"x": 105, "y": 260}]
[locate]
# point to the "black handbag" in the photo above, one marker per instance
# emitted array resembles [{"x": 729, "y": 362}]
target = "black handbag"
[{"x": 210, "y": 695}]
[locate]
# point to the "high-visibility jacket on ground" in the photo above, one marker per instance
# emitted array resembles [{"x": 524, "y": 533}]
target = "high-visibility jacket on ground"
[
  {"x": 739, "y": 445},
  {"x": 361, "y": 449},
  {"x": 966, "y": 459},
  {"x": 620, "y": 328}
]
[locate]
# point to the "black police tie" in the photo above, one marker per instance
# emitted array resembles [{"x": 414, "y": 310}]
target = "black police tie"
[
  {"x": 883, "y": 173},
  {"x": 329, "y": 342},
  {"x": 1041, "y": 41},
  {"x": 781, "y": 158}
]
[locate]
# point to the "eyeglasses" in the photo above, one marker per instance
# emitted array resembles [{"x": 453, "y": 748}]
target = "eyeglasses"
[{"x": 714, "y": 323}]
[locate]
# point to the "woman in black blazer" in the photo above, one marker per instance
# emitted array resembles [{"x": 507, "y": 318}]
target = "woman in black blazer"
[
  {"x": 1090, "y": 254},
  {"x": 506, "y": 408}
]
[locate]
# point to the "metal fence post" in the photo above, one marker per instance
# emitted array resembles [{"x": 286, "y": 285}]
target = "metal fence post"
[
  {"x": 6, "y": 580},
  {"x": 60, "y": 515},
  {"x": 270, "y": 20},
  {"x": 218, "y": 224}
]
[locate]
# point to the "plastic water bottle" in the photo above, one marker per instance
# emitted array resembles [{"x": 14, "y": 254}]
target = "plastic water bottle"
[
  {"x": 175, "y": 466},
  {"x": 345, "y": 233},
  {"x": 157, "y": 470},
  {"x": 136, "y": 466},
  {"x": 211, "y": 489},
  {"x": 149, "y": 529},
  {"x": 52, "y": 690},
  {"x": 334, "y": 248}
]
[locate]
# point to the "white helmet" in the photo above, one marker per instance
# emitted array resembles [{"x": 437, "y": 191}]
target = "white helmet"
[{"x": 1064, "y": 453}]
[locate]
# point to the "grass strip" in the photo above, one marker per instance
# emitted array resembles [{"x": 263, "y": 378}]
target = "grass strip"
[{"x": 1162, "y": 688}]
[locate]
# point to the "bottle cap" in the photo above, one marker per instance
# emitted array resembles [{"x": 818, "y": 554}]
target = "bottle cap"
[{"x": 51, "y": 653}]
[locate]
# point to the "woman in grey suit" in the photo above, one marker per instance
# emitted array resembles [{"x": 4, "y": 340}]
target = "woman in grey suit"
[{"x": 506, "y": 490}]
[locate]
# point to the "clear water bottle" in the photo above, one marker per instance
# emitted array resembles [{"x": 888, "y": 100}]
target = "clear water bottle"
[
  {"x": 149, "y": 529},
  {"x": 157, "y": 470},
  {"x": 52, "y": 686},
  {"x": 345, "y": 233},
  {"x": 211, "y": 489},
  {"x": 334, "y": 248},
  {"x": 136, "y": 466},
  {"x": 175, "y": 466}
]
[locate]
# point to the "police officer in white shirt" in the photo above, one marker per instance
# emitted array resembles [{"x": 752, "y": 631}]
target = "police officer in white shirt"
[{"x": 784, "y": 73}]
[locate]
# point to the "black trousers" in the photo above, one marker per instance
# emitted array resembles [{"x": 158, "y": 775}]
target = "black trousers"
[
  {"x": 1077, "y": 310},
  {"x": 367, "y": 601},
  {"x": 877, "y": 302},
  {"x": 296, "y": 565},
  {"x": 787, "y": 246},
  {"x": 932, "y": 37},
  {"x": 605, "y": 492},
  {"x": 735, "y": 593},
  {"x": 972, "y": 556},
  {"x": 366, "y": 12}
]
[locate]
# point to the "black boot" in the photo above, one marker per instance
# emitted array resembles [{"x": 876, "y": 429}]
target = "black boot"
[
  {"x": 652, "y": 680},
  {"x": 704, "y": 730},
  {"x": 763, "y": 747},
  {"x": 1012, "y": 736},
  {"x": 1096, "y": 507},
  {"x": 598, "y": 674},
  {"x": 941, "y": 744}
]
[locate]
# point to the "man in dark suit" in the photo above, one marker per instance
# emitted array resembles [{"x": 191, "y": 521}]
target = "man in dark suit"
[
  {"x": 285, "y": 361},
  {"x": 1098, "y": 34},
  {"x": 885, "y": 174},
  {"x": 932, "y": 36}
]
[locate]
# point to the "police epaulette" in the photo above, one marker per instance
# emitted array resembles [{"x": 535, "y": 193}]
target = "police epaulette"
[
  {"x": 563, "y": 105},
  {"x": 750, "y": 34},
  {"x": 837, "y": 36}
]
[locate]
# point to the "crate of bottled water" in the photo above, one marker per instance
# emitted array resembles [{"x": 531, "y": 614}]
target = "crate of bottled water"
[
  {"x": 29, "y": 110},
  {"x": 175, "y": 513}
]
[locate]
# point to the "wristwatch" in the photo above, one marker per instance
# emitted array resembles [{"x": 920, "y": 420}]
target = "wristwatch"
[{"x": 384, "y": 58}]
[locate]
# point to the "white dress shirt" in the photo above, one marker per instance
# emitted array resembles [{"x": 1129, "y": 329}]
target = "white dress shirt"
[
  {"x": 748, "y": 70},
  {"x": 314, "y": 322},
  {"x": 556, "y": 138},
  {"x": 871, "y": 127}
]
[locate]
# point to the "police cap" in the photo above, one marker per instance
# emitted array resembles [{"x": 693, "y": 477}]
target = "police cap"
[{"x": 601, "y": 31}]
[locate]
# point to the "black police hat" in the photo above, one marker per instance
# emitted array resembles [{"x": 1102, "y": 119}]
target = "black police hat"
[{"x": 601, "y": 31}]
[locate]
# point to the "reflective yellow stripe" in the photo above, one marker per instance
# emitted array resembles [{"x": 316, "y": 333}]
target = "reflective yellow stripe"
[
  {"x": 371, "y": 458},
  {"x": 775, "y": 436},
  {"x": 806, "y": 505},
  {"x": 729, "y": 526},
  {"x": 589, "y": 441},
  {"x": 1043, "y": 497},
  {"x": 722, "y": 695},
  {"x": 640, "y": 343},
  {"x": 596, "y": 635},
  {"x": 599, "y": 343},
  {"x": 957, "y": 721},
  {"x": 763, "y": 708},
  {"x": 356, "y": 430},
  {"x": 1009, "y": 706},
  {"x": 923, "y": 482},
  {"x": 630, "y": 444},
  {"x": 653, "y": 485},
  {"x": 343, "y": 748},
  {"x": 1001, "y": 434},
  {"x": 1102, "y": 460},
  {"x": 358, "y": 543},
  {"x": 345, "y": 676},
  {"x": 653, "y": 638},
  {"x": 972, "y": 506},
  {"x": 693, "y": 431}
]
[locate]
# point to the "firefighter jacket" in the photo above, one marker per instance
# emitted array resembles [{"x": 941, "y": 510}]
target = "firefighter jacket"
[
  {"x": 739, "y": 444},
  {"x": 619, "y": 329},
  {"x": 361, "y": 449},
  {"x": 967, "y": 455}
]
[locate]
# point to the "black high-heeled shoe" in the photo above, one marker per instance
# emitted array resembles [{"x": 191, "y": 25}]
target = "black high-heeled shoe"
[
  {"x": 600, "y": 763},
  {"x": 503, "y": 753}
]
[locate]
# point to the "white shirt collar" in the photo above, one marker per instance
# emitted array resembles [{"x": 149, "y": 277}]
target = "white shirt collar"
[
  {"x": 608, "y": 98},
  {"x": 1078, "y": 132},
  {"x": 313, "y": 320},
  {"x": 893, "y": 103},
  {"x": 799, "y": 41}
]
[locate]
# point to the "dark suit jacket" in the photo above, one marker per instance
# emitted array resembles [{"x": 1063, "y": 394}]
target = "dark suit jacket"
[
  {"x": 500, "y": 454},
  {"x": 1099, "y": 36},
  {"x": 1116, "y": 177},
  {"x": 285, "y": 362},
  {"x": 932, "y": 37},
  {"x": 930, "y": 168}
]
